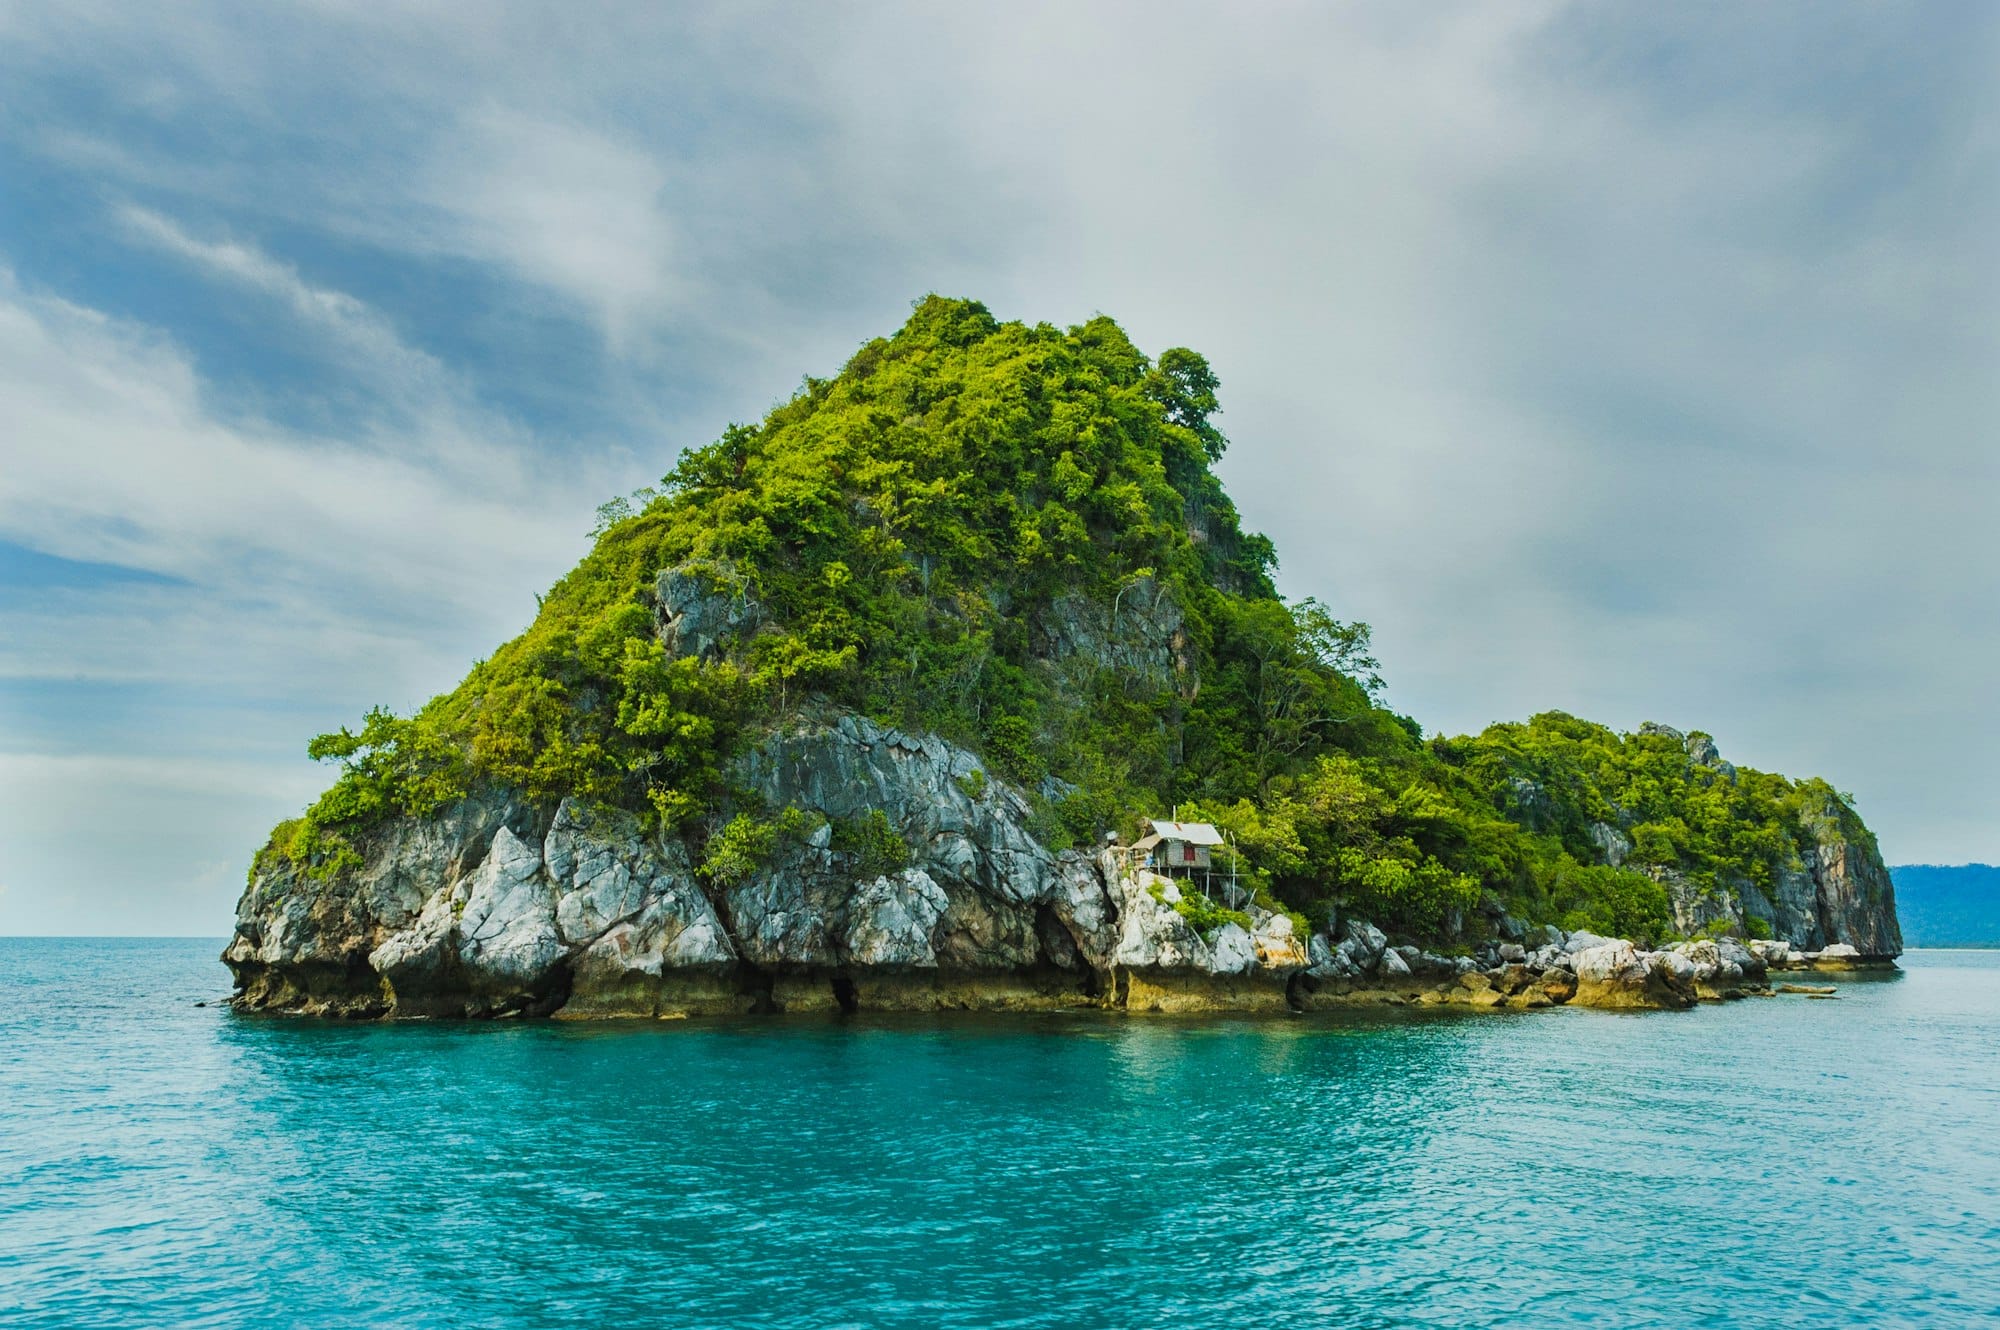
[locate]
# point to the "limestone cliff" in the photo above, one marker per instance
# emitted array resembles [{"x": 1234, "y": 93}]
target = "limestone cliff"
[
  {"x": 1834, "y": 891},
  {"x": 491, "y": 908}
]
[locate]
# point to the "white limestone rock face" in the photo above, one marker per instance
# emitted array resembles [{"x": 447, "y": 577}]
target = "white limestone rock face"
[
  {"x": 601, "y": 872},
  {"x": 1839, "y": 956},
  {"x": 675, "y": 931},
  {"x": 483, "y": 944},
  {"x": 988, "y": 897},
  {"x": 703, "y": 609},
  {"x": 596, "y": 906},
  {"x": 424, "y": 954},
  {"x": 1856, "y": 897},
  {"x": 1616, "y": 974},
  {"x": 1671, "y": 967},
  {"x": 1581, "y": 941},
  {"x": 1365, "y": 942},
  {"x": 791, "y": 913},
  {"x": 1773, "y": 952},
  {"x": 1721, "y": 967},
  {"x": 507, "y": 932},
  {"x": 1153, "y": 935},
  {"x": 302, "y": 942},
  {"x": 967, "y": 835},
  {"x": 1320, "y": 955},
  {"x": 1355, "y": 955},
  {"x": 1612, "y": 843},
  {"x": 1082, "y": 906},
  {"x": 644, "y": 938},
  {"x": 1547, "y": 957},
  {"x": 1611, "y": 968},
  {"x": 890, "y": 920},
  {"x": 1328, "y": 959},
  {"x": 1231, "y": 951}
]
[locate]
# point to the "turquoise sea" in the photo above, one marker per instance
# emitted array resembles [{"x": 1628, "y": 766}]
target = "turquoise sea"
[{"x": 1781, "y": 1162}]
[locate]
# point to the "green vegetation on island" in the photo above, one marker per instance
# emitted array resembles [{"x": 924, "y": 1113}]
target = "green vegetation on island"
[{"x": 1011, "y": 536}]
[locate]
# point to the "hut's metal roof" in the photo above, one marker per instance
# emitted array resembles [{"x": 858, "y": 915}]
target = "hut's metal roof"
[{"x": 1194, "y": 833}]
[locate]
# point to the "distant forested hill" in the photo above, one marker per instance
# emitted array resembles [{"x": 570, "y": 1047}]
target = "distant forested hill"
[{"x": 1948, "y": 905}]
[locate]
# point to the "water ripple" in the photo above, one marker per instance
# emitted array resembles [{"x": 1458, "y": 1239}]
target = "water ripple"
[{"x": 1770, "y": 1163}]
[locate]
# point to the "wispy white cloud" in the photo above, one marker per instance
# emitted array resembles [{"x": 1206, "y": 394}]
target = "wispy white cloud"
[
  {"x": 117, "y": 456},
  {"x": 566, "y": 208},
  {"x": 362, "y": 335}
]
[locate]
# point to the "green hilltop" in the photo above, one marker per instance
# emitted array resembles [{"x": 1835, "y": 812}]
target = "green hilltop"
[{"x": 1011, "y": 536}]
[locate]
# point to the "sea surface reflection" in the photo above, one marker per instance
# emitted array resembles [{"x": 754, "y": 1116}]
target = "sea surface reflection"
[{"x": 1778, "y": 1162}]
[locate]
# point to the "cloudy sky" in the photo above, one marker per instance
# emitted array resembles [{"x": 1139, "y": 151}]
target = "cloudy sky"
[{"x": 1636, "y": 360}]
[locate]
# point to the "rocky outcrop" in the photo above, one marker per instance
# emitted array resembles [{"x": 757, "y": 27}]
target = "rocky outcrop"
[
  {"x": 1615, "y": 974},
  {"x": 702, "y": 609},
  {"x": 491, "y": 909},
  {"x": 1721, "y": 968},
  {"x": 1140, "y": 634},
  {"x": 1579, "y": 968},
  {"x": 1856, "y": 900},
  {"x": 510, "y": 930},
  {"x": 302, "y": 942},
  {"x": 1611, "y": 843},
  {"x": 1836, "y": 892}
]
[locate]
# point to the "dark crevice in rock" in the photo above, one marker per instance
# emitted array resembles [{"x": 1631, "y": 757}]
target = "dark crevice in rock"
[
  {"x": 719, "y": 903},
  {"x": 555, "y": 990},
  {"x": 1058, "y": 945},
  {"x": 759, "y": 986},
  {"x": 844, "y": 996},
  {"x": 1825, "y": 929},
  {"x": 1298, "y": 988}
]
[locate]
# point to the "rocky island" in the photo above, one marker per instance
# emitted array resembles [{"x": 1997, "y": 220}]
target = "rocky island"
[{"x": 868, "y": 705}]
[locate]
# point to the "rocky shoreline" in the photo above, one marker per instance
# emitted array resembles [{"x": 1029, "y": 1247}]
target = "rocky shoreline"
[
  {"x": 1577, "y": 968},
  {"x": 496, "y": 908}
]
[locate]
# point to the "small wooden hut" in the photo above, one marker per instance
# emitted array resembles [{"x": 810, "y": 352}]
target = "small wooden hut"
[{"x": 1177, "y": 847}]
